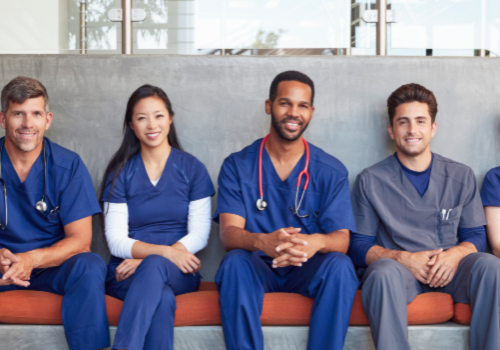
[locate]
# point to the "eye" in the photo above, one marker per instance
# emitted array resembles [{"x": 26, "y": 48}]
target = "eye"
[
  {"x": 159, "y": 116},
  {"x": 141, "y": 118}
]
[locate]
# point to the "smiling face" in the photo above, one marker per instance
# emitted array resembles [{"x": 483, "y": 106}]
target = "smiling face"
[
  {"x": 412, "y": 128},
  {"x": 291, "y": 110},
  {"x": 151, "y": 122},
  {"x": 25, "y": 123}
]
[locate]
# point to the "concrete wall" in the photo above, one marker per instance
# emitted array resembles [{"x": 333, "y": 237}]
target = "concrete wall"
[{"x": 219, "y": 106}]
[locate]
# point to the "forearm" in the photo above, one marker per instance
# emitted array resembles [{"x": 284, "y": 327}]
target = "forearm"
[
  {"x": 463, "y": 249},
  {"x": 337, "y": 241},
  {"x": 57, "y": 254},
  {"x": 233, "y": 237},
  {"x": 140, "y": 250},
  {"x": 377, "y": 252}
]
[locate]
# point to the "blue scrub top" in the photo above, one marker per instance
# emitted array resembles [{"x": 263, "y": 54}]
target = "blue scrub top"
[
  {"x": 68, "y": 186},
  {"x": 159, "y": 214},
  {"x": 490, "y": 192},
  {"x": 327, "y": 199}
]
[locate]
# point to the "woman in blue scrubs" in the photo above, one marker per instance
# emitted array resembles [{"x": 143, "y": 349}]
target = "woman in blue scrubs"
[{"x": 156, "y": 201}]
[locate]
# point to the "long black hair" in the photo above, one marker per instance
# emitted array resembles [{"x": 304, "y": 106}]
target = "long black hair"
[{"x": 131, "y": 145}]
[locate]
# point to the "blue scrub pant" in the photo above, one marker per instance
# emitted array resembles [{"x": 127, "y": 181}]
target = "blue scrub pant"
[
  {"x": 80, "y": 280},
  {"x": 244, "y": 277},
  {"x": 148, "y": 313}
]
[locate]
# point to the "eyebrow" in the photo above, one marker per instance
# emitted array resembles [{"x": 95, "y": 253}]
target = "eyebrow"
[
  {"x": 407, "y": 118},
  {"x": 153, "y": 112},
  {"x": 288, "y": 100}
]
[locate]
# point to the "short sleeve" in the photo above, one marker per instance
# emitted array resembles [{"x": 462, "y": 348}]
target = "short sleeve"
[
  {"x": 78, "y": 200},
  {"x": 490, "y": 192},
  {"x": 201, "y": 185},
  {"x": 472, "y": 211},
  {"x": 337, "y": 212},
  {"x": 119, "y": 190},
  {"x": 229, "y": 196},
  {"x": 365, "y": 217}
]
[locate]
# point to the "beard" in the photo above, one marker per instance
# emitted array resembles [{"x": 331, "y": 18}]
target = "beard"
[
  {"x": 23, "y": 145},
  {"x": 286, "y": 135}
]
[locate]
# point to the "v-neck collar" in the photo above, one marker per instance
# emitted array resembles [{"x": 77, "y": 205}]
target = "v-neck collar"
[
  {"x": 13, "y": 177},
  {"x": 148, "y": 184},
  {"x": 410, "y": 190},
  {"x": 291, "y": 180}
]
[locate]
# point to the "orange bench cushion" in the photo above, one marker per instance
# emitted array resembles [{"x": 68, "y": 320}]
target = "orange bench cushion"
[
  {"x": 462, "y": 314},
  {"x": 202, "y": 308}
]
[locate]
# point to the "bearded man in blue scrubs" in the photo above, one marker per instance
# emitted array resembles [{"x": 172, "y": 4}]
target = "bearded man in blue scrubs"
[
  {"x": 285, "y": 232},
  {"x": 46, "y": 213},
  {"x": 420, "y": 228}
]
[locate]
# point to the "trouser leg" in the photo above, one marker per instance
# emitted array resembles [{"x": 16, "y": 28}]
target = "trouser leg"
[
  {"x": 147, "y": 317},
  {"x": 477, "y": 282},
  {"x": 331, "y": 280},
  {"x": 241, "y": 281},
  {"x": 81, "y": 282},
  {"x": 387, "y": 289}
]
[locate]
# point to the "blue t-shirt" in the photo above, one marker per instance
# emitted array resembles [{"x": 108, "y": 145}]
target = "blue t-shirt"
[
  {"x": 490, "y": 191},
  {"x": 419, "y": 179},
  {"x": 69, "y": 191},
  {"x": 159, "y": 214},
  {"x": 326, "y": 200}
]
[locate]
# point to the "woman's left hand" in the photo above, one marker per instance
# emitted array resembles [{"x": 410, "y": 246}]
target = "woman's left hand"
[{"x": 126, "y": 269}]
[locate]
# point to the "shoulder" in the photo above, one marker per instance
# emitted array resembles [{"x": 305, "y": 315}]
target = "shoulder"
[
  {"x": 454, "y": 170},
  {"x": 326, "y": 161},
  {"x": 383, "y": 169},
  {"x": 183, "y": 160},
  {"x": 62, "y": 157},
  {"x": 240, "y": 158},
  {"x": 493, "y": 175}
]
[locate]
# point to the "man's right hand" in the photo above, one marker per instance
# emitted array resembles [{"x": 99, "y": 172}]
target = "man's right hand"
[
  {"x": 272, "y": 245},
  {"x": 420, "y": 263},
  {"x": 6, "y": 260}
]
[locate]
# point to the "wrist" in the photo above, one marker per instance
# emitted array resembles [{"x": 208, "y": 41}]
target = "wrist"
[
  {"x": 166, "y": 252},
  {"x": 401, "y": 256},
  {"x": 30, "y": 258},
  {"x": 259, "y": 240}
]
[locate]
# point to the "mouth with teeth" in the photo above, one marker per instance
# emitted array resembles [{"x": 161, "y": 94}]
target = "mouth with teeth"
[
  {"x": 412, "y": 140},
  {"x": 153, "y": 136},
  {"x": 291, "y": 125},
  {"x": 26, "y": 135}
]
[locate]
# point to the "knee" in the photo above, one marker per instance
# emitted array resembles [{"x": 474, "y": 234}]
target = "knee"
[
  {"x": 487, "y": 264},
  {"x": 233, "y": 263},
  {"x": 381, "y": 272},
  {"x": 154, "y": 263},
  {"x": 88, "y": 265},
  {"x": 336, "y": 264}
]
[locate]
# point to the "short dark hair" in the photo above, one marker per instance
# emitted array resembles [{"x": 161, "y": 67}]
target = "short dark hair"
[
  {"x": 412, "y": 93},
  {"x": 291, "y": 75},
  {"x": 19, "y": 89}
]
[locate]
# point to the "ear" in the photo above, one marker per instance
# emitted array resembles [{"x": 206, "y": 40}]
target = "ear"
[
  {"x": 49, "y": 118},
  {"x": 390, "y": 131},
  {"x": 2, "y": 120},
  {"x": 269, "y": 105},
  {"x": 312, "y": 112},
  {"x": 434, "y": 129},
  {"x": 171, "y": 119}
]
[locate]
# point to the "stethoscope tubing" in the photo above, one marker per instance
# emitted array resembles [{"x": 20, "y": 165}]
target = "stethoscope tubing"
[{"x": 261, "y": 204}]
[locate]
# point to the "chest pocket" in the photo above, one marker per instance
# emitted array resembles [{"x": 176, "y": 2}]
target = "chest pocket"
[{"x": 447, "y": 227}]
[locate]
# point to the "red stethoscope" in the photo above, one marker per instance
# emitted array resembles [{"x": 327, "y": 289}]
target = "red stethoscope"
[{"x": 262, "y": 204}]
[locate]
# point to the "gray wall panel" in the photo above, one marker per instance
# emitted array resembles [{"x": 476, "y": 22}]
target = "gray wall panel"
[{"x": 219, "y": 106}]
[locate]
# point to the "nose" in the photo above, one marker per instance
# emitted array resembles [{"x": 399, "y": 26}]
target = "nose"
[
  {"x": 293, "y": 111},
  {"x": 413, "y": 128},
  {"x": 28, "y": 121},
  {"x": 151, "y": 123}
]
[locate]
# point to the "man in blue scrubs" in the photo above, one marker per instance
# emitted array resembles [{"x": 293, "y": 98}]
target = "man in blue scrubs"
[
  {"x": 419, "y": 222},
  {"x": 277, "y": 240},
  {"x": 46, "y": 213}
]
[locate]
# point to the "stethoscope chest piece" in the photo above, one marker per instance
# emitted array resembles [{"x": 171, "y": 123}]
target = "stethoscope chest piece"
[
  {"x": 41, "y": 206},
  {"x": 261, "y": 204}
]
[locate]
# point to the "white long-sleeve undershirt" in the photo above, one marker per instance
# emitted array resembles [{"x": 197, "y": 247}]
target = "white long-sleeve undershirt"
[{"x": 120, "y": 244}]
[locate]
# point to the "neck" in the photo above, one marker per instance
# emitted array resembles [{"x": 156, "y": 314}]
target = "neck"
[
  {"x": 156, "y": 155},
  {"x": 419, "y": 163},
  {"x": 283, "y": 151},
  {"x": 22, "y": 161}
]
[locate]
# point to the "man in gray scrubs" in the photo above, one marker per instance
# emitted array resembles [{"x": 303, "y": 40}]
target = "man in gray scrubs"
[{"x": 419, "y": 221}]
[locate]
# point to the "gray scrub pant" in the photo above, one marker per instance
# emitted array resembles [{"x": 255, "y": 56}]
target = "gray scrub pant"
[{"x": 388, "y": 287}]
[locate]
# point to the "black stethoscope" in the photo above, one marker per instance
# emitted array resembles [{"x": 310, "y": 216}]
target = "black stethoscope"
[
  {"x": 40, "y": 205},
  {"x": 262, "y": 204}
]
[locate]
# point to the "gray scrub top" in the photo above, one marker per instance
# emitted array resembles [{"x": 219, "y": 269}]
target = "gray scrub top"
[{"x": 386, "y": 205}]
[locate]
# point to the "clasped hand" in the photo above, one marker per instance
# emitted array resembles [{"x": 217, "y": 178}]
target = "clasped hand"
[
  {"x": 288, "y": 247},
  {"x": 434, "y": 267},
  {"x": 15, "y": 268}
]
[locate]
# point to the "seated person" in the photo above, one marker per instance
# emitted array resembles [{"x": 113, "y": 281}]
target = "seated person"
[
  {"x": 46, "y": 217},
  {"x": 419, "y": 223},
  {"x": 294, "y": 238},
  {"x": 490, "y": 196},
  {"x": 157, "y": 216}
]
